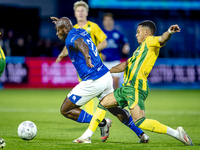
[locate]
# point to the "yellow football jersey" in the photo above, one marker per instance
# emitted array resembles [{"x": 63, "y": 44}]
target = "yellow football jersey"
[
  {"x": 2, "y": 54},
  {"x": 95, "y": 32},
  {"x": 141, "y": 63}
]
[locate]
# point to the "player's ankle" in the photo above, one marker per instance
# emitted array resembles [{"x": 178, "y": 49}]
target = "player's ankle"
[
  {"x": 103, "y": 123},
  {"x": 140, "y": 135}
]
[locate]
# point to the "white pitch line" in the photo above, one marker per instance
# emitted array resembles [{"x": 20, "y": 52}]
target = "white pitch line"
[
  {"x": 34, "y": 110},
  {"x": 53, "y": 110},
  {"x": 162, "y": 112}
]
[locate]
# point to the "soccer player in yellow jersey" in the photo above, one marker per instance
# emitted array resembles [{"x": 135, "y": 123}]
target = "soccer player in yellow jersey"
[
  {"x": 2, "y": 61},
  {"x": 98, "y": 37},
  {"x": 135, "y": 88}
]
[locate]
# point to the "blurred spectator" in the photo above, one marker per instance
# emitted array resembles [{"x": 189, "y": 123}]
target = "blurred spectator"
[
  {"x": 117, "y": 44},
  {"x": 48, "y": 48},
  {"x": 5, "y": 42},
  {"x": 29, "y": 46},
  {"x": 40, "y": 48},
  {"x": 19, "y": 48},
  {"x": 9, "y": 42}
]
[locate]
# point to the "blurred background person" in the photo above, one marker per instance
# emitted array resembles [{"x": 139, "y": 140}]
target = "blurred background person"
[
  {"x": 117, "y": 45},
  {"x": 9, "y": 43},
  {"x": 19, "y": 48},
  {"x": 2, "y": 39},
  {"x": 48, "y": 48},
  {"x": 29, "y": 45}
]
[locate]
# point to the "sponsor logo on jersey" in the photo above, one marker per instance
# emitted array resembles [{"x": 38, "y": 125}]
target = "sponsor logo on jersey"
[
  {"x": 99, "y": 68},
  {"x": 72, "y": 39},
  {"x": 115, "y": 35},
  {"x": 84, "y": 33},
  {"x": 111, "y": 44},
  {"x": 129, "y": 96}
]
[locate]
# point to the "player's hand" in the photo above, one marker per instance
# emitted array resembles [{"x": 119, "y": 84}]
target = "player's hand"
[
  {"x": 55, "y": 19},
  {"x": 88, "y": 62},
  {"x": 174, "y": 28},
  {"x": 59, "y": 58}
]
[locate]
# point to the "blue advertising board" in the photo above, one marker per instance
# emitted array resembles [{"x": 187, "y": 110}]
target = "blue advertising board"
[{"x": 175, "y": 73}]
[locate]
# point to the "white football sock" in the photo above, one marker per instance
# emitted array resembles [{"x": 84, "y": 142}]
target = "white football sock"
[
  {"x": 87, "y": 133},
  {"x": 173, "y": 133}
]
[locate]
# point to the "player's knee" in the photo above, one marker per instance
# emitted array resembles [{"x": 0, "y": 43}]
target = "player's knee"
[
  {"x": 103, "y": 104},
  {"x": 121, "y": 114},
  {"x": 63, "y": 112}
]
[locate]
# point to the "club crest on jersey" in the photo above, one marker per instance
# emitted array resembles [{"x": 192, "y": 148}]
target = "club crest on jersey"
[
  {"x": 116, "y": 35},
  {"x": 136, "y": 53}
]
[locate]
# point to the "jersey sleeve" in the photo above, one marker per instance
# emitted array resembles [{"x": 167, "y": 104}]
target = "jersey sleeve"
[
  {"x": 99, "y": 34},
  {"x": 152, "y": 41},
  {"x": 70, "y": 40}
]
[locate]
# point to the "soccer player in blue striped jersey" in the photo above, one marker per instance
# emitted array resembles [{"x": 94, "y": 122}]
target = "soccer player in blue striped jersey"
[{"x": 96, "y": 81}]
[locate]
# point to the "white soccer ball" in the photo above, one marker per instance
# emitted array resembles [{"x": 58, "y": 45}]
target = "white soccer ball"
[
  {"x": 2, "y": 143},
  {"x": 27, "y": 130}
]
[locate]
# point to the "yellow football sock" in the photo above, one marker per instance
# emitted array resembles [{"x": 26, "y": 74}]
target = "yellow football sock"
[
  {"x": 97, "y": 117},
  {"x": 90, "y": 107},
  {"x": 151, "y": 125}
]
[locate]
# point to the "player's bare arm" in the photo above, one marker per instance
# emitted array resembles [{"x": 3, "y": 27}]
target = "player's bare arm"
[
  {"x": 119, "y": 68},
  {"x": 82, "y": 46},
  {"x": 102, "y": 45},
  {"x": 167, "y": 35},
  {"x": 62, "y": 54}
]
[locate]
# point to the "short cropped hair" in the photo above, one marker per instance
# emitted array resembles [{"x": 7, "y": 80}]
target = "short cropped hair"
[
  {"x": 108, "y": 15},
  {"x": 81, "y": 3},
  {"x": 150, "y": 24}
]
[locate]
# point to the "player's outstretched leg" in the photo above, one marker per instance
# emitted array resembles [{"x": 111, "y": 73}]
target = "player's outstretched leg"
[
  {"x": 96, "y": 119},
  {"x": 104, "y": 128},
  {"x": 155, "y": 126}
]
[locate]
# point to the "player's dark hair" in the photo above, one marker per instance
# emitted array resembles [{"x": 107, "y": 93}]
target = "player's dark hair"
[
  {"x": 108, "y": 15},
  {"x": 150, "y": 24}
]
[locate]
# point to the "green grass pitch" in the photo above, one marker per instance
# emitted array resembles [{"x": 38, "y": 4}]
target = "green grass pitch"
[{"x": 171, "y": 107}]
